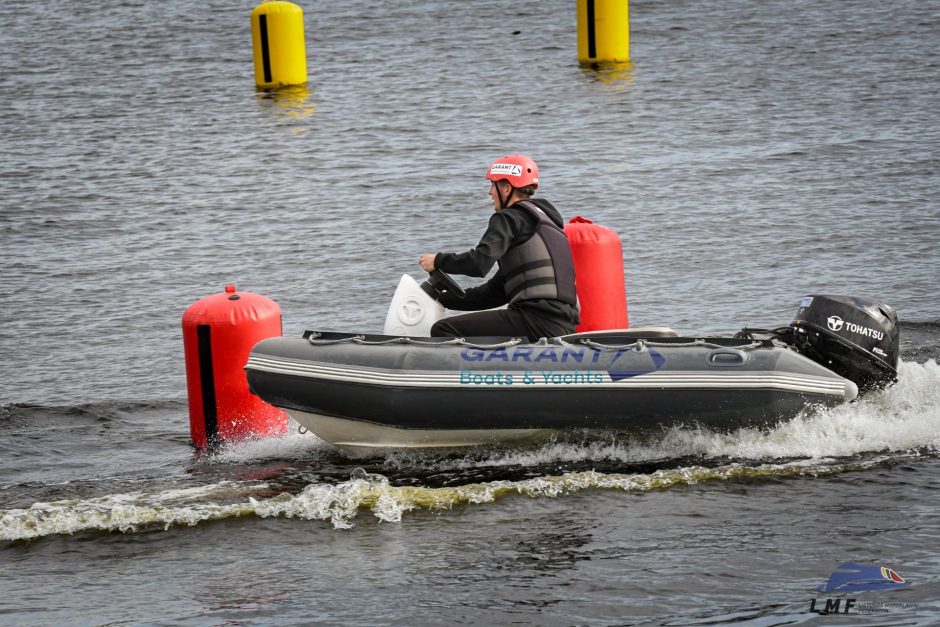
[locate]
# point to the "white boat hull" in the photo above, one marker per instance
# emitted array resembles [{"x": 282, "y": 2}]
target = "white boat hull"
[{"x": 362, "y": 437}]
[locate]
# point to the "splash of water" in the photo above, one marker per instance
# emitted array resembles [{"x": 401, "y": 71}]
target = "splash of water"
[
  {"x": 340, "y": 504},
  {"x": 127, "y": 512}
]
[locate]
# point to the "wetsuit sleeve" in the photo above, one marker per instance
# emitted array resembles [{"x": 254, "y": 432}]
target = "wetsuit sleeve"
[
  {"x": 486, "y": 296},
  {"x": 479, "y": 260}
]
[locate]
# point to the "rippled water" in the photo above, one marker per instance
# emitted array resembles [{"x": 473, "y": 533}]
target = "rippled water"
[{"x": 751, "y": 154}]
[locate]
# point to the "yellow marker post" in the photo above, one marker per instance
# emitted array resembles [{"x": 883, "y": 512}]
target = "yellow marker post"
[
  {"x": 603, "y": 30},
  {"x": 277, "y": 38}
]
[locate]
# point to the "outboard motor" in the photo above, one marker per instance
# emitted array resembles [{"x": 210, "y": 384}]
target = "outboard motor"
[{"x": 857, "y": 338}]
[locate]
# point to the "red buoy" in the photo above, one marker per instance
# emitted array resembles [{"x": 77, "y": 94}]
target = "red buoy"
[
  {"x": 598, "y": 270},
  {"x": 218, "y": 333}
]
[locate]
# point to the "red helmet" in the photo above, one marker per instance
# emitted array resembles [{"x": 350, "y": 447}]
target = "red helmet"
[{"x": 519, "y": 170}]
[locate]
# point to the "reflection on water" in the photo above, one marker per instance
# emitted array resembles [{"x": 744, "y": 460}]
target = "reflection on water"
[
  {"x": 291, "y": 102},
  {"x": 611, "y": 72}
]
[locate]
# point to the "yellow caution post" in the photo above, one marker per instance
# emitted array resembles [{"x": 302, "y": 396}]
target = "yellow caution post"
[
  {"x": 603, "y": 30},
  {"x": 277, "y": 38}
]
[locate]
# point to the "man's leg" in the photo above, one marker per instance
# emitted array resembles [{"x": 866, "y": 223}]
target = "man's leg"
[
  {"x": 499, "y": 323},
  {"x": 491, "y": 323}
]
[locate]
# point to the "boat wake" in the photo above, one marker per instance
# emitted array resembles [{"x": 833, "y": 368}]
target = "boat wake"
[{"x": 301, "y": 477}]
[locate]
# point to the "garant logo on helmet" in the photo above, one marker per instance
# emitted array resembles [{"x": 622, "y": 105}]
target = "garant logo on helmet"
[
  {"x": 835, "y": 323},
  {"x": 510, "y": 169}
]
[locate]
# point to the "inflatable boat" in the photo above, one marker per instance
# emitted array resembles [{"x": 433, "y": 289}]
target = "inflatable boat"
[{"x": 363, "y": 392}]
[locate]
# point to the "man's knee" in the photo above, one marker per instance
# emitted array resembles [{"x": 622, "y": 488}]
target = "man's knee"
[{"x": 442, "y": 328}]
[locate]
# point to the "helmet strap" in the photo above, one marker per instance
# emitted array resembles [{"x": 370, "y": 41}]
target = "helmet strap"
[{"x": 503, "y": 201}]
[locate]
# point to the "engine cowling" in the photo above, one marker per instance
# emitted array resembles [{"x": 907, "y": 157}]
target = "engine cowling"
[{"x": 855, "y": 337}]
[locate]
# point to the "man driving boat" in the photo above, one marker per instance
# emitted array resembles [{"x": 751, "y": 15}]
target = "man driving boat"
[{"x": 535, "y": 278}]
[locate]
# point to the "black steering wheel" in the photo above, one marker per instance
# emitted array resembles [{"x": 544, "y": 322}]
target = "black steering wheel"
[{"x": 439, "y": 282}]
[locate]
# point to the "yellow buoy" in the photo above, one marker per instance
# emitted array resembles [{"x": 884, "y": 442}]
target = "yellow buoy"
[
  {"x": 277, "y": 38},
  {"x": 603, "y": 30}
]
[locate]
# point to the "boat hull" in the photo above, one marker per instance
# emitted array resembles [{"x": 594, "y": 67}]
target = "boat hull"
[
  {"x": 382, "y": 393},
  {"x": 362, "y": 436}
]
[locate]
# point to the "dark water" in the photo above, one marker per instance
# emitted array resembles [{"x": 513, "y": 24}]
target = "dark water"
[{"x": 753, "y": 153}]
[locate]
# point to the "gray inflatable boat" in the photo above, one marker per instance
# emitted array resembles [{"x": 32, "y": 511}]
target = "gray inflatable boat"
[{"x": 366, "y": 392}]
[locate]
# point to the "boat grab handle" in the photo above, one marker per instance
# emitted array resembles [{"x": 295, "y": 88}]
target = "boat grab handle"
[{"x": 726, "y": 357}]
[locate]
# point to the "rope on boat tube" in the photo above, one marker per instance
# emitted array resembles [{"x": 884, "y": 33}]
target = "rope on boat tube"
[
  {"x": 640, "y": 344},
  {"x": 315, "y": 340},
  {"x": 643, "y": 343},
  {"x": 457, "y": 341}
]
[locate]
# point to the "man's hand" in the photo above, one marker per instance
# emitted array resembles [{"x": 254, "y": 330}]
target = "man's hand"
[{"x": 427, "y": 262}]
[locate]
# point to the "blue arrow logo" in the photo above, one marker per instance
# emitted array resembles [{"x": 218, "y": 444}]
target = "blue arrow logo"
[
  {"x": 858, "y": 578},
  {"x": 619, "y": 375}
]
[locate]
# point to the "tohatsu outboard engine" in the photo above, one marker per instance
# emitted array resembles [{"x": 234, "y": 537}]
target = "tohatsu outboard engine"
[{"x": 857, "y": 338}]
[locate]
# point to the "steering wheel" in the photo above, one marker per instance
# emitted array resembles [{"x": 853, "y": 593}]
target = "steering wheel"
[{"x": 440, "y": 281}]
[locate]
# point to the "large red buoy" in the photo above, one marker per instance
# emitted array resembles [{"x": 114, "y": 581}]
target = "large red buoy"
[
  {"x": 218, "y": 333},
  {"x": 598, "y": 269}
]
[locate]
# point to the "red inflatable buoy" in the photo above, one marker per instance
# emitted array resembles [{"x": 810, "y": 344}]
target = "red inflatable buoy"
[
  {"x": 218, "y": 333},
  {"x": 598, "y": 271}
]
